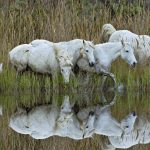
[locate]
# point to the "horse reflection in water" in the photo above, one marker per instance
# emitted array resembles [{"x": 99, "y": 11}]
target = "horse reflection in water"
[
  {"x": 140, "y": 134},
  {"x": 48, "y": 120},
  {"x": 103, "y": 123},
  {"x": 44, "y": 121}
]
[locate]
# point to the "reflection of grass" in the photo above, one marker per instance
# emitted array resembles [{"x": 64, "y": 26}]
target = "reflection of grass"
[{"x": 67, "y": 20}]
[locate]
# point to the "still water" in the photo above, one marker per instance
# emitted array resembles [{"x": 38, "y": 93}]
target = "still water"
[{"x": 83, "y": 120}]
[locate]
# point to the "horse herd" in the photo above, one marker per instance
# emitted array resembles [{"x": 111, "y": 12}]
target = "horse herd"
[
  {"x": 65, "y": 122},
  {"x": 46, "y": 57}
]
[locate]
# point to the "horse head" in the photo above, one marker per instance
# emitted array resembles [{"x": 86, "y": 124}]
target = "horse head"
[
  {"x": 127, "y": 53},
  {"x": 65, "y": 63},
  {"x": 88, "y": 50}
]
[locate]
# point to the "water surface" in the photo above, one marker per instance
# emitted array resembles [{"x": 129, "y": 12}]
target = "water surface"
[{"x": 111, "y": 107}]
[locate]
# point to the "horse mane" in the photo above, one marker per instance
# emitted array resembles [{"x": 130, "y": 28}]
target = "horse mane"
[{"x": 65, "y": 56}]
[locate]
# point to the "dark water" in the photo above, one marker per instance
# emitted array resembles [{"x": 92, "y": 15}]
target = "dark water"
[{"x": 84, "y": 120}]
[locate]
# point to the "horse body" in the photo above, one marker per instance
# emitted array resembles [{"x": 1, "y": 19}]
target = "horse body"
[{"x": 42, "y": 58}]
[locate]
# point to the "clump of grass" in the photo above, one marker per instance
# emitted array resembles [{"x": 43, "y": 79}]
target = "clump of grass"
[{"x": 21, "y": 22}]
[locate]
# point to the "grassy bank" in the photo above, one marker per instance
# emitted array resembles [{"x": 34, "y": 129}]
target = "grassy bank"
[{"x": 21, "y": 22}]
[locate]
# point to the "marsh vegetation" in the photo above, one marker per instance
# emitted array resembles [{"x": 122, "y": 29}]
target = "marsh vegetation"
[{"x": 23, "y": 21}]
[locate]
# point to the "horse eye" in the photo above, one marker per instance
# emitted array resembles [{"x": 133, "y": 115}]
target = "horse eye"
[
  {"x": 127, "y": 51},
  {"x": 62, "y": 107},
  {"x": 87, "y": 126},
  {"x": 87, "y": 51},
  {"x": 127, "y": 126},
  {"x": 62, "y": 70}
]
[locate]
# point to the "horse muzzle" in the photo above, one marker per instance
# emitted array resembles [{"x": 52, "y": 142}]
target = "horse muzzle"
[
  {"x": 91, "y": 64},
  {"x": 133, "y": 64},
  {"x": 134, "y": 113}
]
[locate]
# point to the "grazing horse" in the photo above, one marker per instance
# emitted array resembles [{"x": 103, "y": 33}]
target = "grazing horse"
[
  {"x": 42, "y": 59},
  {"x": 107, "y": 53}
]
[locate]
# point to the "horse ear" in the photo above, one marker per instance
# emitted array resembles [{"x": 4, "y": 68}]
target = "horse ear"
[
  {"x": 83, "y": 42},
  {"x": 71, "y": 64},
  {"x": 137, "y": 43},
  {"x": 56, "y": 49},
  {"x": 122, "y": 42}
]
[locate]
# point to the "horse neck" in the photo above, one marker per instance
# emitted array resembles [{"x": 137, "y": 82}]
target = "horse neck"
[
  {"x": 75, "y": 48},
  {"x": 115, "y": 51}
]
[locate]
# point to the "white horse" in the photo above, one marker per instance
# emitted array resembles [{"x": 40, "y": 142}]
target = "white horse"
[
  {"x": 42, "y": 59},
  {"x": 140, "y": 43},
  {"x": 105, "y": 54},
  {"x": 76, "y": 48}
]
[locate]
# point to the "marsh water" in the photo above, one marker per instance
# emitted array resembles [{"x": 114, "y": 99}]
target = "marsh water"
[{"x": 19, "y": 133}]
